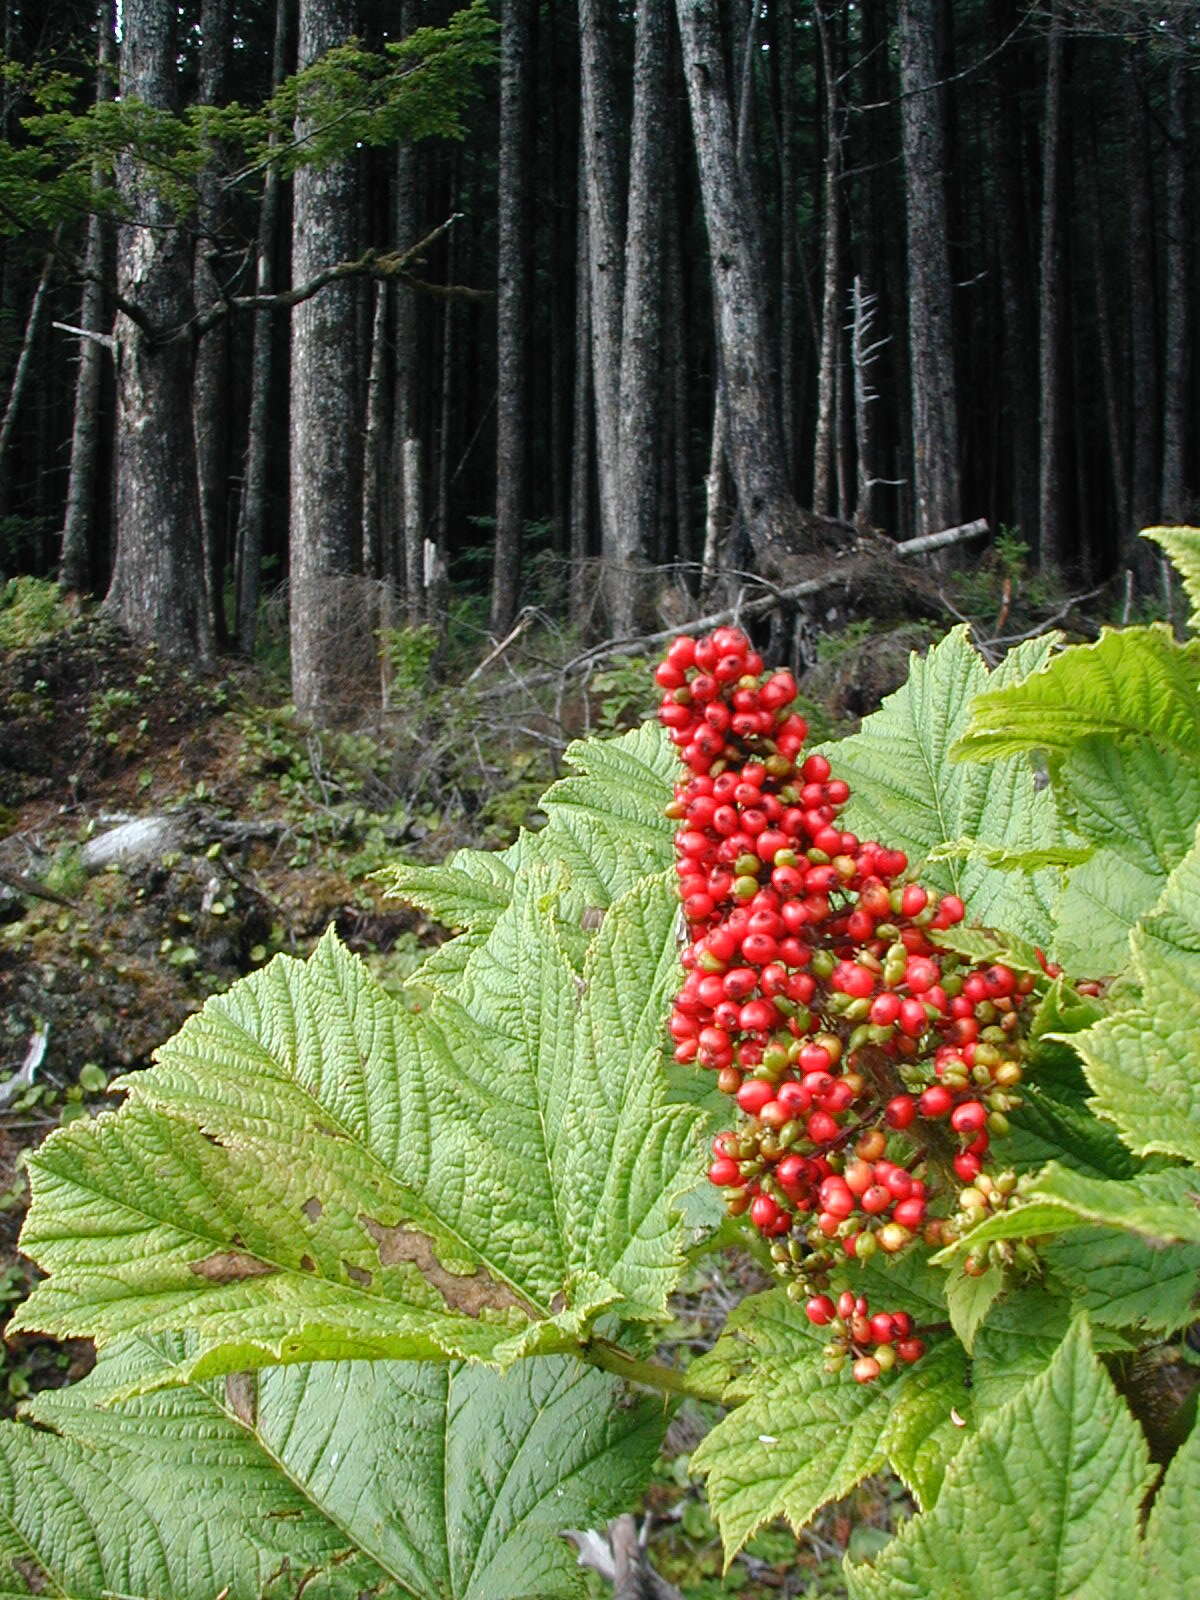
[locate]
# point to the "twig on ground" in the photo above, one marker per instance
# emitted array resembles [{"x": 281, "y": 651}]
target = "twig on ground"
[{"x": 620, "y": 1558}]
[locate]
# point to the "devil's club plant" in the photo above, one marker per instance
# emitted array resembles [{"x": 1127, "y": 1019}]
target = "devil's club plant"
[
  {"x": 376, "y": 1290},
  {"x": 816, "y": 993}
]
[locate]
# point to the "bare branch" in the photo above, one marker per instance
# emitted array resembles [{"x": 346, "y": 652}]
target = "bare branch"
[
  {"x": 105, "y": 339},
  {"x": 371, "y": 264}
]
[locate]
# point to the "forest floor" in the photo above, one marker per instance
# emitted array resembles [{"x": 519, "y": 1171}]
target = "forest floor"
[{"x": 164, "y": 832}]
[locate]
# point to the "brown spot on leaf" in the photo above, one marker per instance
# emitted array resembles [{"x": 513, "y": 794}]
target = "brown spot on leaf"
[
  {"x": 231, "y": 1266},
  {"x": 559, "y": 1303},
  {"x": 307, "y": 1264},
  {"x": 241, "y": 1396},
  {"x": 471, "y": 1293},
  {"x": 312, "y": 1208},
  {"x": 33, "y": 1576},
  {"x": 358, "y": 1274},
  {"x": 591, "y": 919}
]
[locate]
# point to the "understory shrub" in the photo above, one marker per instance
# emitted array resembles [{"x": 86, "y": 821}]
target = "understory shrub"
[{"x": 376, "y": 1289}]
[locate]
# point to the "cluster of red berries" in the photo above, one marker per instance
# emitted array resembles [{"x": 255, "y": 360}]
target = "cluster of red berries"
[
  {"x": 815, "y": 991},
  {"x": 887, "y": 1334}
]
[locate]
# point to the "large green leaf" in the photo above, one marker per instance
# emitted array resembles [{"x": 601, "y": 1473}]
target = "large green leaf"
[
  {"x": 1183, "y": 547},
  {"x": 1170, "y": 1561},
  {"x": 605, "y": 825},
  {"x": 1132, "y": 684},
  {"x": 401, "y": 1479},
  {"x": 1142, "y": 1062},
  {"x": 311, "y": 1171},
  {"x": 1015, "y": 1343},
  {"x": 799, "y": 1436},
  {"x": 1046, "y": 1128},
  {"x": 1138, "y": 801},
  {"x": 907, "y": 792},
  {"x": 1043, "y": 1503}
]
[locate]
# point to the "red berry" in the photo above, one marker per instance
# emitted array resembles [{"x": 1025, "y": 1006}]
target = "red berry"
[
  {"x": 936, "y": 1101},
  {"x": 820, "y": 1310},
  {"x": 969, "y": 1117},
  {"x": 725, "y": 1173},
  {"x": 900, "y": 1111},
  {"x": 909, "y": 1213},
  {"x": 883, "y": 1327},
  {"x": 754, "y": 1095},
  {"x": 913, "y": 900}
]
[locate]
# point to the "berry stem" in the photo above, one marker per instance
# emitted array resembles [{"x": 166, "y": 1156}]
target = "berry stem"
[{"x": 650, "y": 1374}]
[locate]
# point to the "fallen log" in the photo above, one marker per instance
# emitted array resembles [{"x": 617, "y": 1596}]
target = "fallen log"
[{"x": 872, "y": 548}]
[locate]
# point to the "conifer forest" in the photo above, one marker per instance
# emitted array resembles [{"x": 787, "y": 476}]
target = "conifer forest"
[{"x": 577, "y": 305}]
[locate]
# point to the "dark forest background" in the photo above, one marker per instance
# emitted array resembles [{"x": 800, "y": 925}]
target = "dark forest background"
[{"x": 697, "y": 286}]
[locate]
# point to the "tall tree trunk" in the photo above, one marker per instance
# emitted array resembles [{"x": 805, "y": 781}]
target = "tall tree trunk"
[
  {"x": 402, "y": 563},
  {"x": 774, "y": 523},
  {"x": 675, "y": 310},
  {"x": 1143, "y": 393},
  {"x": 642, "y": 318},
  {"x": 253, "y": 508},
  {"x": 157, "y": 590},
  {"x": 1175, "y": 374},
  {"x": 210, "y": 405},
  {"x": 1016, "y": 342},
  {"x": 514, "y": 254},
  {"x": 930, "y": 323},
  {"x": 33, "y": 321},
  {"x": 831, "y": 299},
  {"x": 1107, "y": 346},
  {"x": 785, "y": 23},
  {"x": 601, "y": 149},
  {"x": 78, "y": 518},
  {"x": 374, "y": 435},
  {"x": 328, "y": 621},
  {"x": 1051, "y": 543},
  {"x": 581, "y": 417}
]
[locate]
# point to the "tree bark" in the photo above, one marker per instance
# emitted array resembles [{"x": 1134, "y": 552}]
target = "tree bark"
[
  {"x": 1143, "y": 392},
  {"x": 785, "y": 23},
  {"x": 514, "y": 255},
  {"x": 78, "y": 518},
  {"x": 1106, "y": 344},
  {"x": 1051, "y": 544},
  {"x": 936, "y": 489},
  {"x": 578, "y": 599},
  {"x": 374, "y": 434},
  {"x": 253, "y": 508},
  {"x": 158, "y": 592},
  {"x": 1016, "y": 345},
  {"x": 1174, "y": 496},
  {"x": 210, "y": 393},
  {"x": 641, "y": 387},
  {"x": 402, "y": 564},
  {"x": 33, "y": 321},
  {"x": 328, "y": 620},
  {"x": 776, "y": 526},
  {"x": 831, "y": 299},
  {"x": 675, "y": 310},
  {"x": 601, "y": 149}
]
